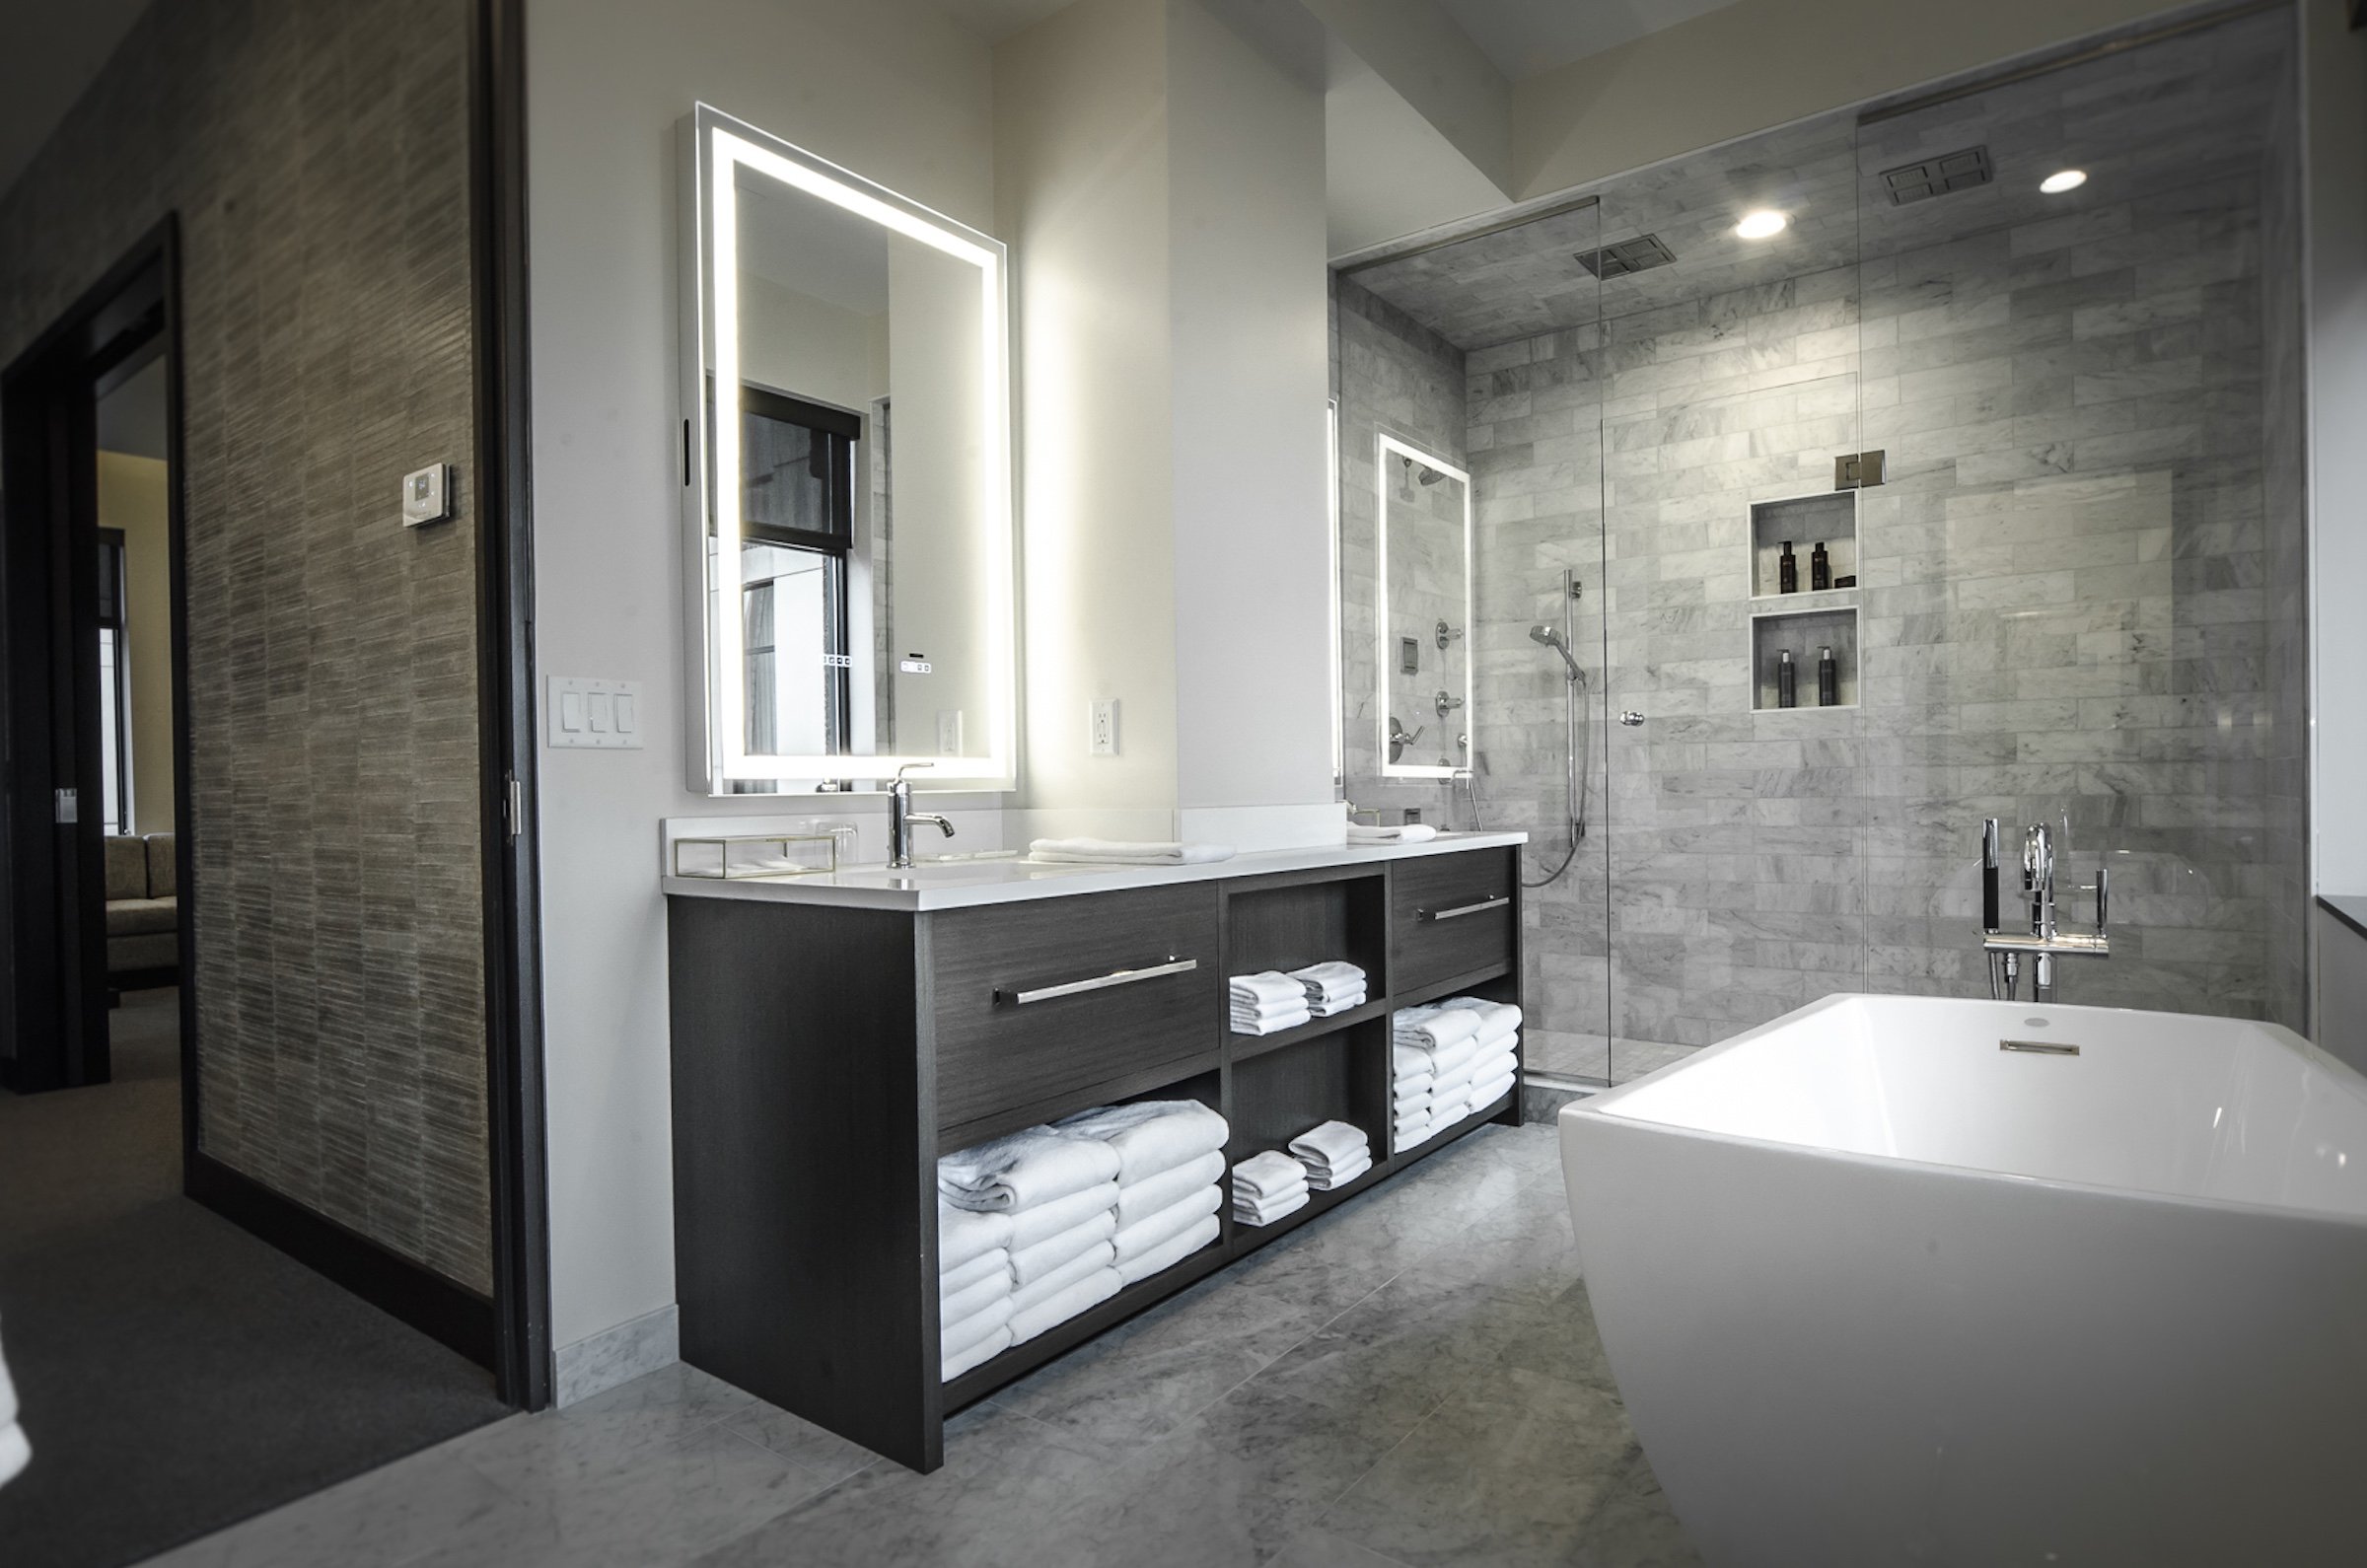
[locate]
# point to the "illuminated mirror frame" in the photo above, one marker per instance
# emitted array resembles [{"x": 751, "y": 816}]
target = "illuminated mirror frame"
[
  {"x": 716, "y": 147},
  {"x": 1384, "y": 656}
]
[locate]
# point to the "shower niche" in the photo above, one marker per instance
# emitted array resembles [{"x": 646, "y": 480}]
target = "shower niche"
[
  {"x": 1807, "y": 619},
  {"x": 1804, "y": 521}
]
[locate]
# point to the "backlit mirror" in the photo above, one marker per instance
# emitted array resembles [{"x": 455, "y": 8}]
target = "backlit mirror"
[
  {"x": 1426, "y": 612},
  {"x": 846, "y": 443}
]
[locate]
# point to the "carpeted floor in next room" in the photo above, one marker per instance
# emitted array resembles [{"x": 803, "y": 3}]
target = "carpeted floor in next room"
[{"x": 175, "y": 1374}]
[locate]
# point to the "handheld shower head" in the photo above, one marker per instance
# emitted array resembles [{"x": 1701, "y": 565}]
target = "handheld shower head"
[{"x": 1551, "y": 637}]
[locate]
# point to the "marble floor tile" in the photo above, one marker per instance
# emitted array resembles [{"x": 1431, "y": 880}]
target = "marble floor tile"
[{"x": 385, "y": 1517}]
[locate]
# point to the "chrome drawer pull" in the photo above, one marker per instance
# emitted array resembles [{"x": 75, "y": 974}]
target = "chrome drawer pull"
[
  {"x": 1460, "y": 910},
  {"x": 1100, "y": 982}
]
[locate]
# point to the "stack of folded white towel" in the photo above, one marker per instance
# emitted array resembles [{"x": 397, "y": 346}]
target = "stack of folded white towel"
[
  {"x": 1494, "y": 1067},
  {"x": 1036, "y": 1227},
  {"x": 1447, "y": 1060},
  {"x": 1269, "y": 1003},
  {"x": 1266, "y": 1186},
  {"x": 1397, "y": 833},
  {"x": 1333, "y": 1154},
  {"x": 1171, "y": 1167},
  {"x": 1331, "y": 988}
]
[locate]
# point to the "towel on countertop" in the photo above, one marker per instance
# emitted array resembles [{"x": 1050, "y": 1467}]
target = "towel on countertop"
[
  {"x": 1155, "y": 1192},
  {"x": 964, "y": 1235},
  {"x": 953, "y": 1306},
  {"x": 1098, "y": 1257},
  {"x": 961, "y": 1334},
  {"x": 986, "y": 1266},
  {"x": 1167, "y": 1254},
  {"x": 1434, "y": 1027},
  {"x": 1024, "y": 1169},
  {"x": 1086, "y": 1294},
  {"x": 1338, "y": 1176},
  {"x": 1251, "y": 1210},
  {"x": 978, "y": 1355},
  {"x": 1146, "y": 1234},
  {"x": 1330, "y": 1143},
  {"x": 1397, "y": 833},
  {"x": 1149, "y": 1136},
  {"x": 1032, "y": 1265},
  {"x": 1121, "y": 852},
  {"x": 1268, "y": 1173},
  {"x": 1047, "y": 1220}
]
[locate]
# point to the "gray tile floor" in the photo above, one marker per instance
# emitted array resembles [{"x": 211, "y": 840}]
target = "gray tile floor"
[{"x": 1414, "y": 1380}]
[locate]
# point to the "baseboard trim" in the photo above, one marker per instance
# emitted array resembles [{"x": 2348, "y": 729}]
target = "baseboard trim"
[
  {"x": 418, "y": 1296},
  {"x": 599, "y": 1362}
]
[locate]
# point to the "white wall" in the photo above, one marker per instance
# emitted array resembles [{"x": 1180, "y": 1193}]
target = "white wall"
[{"x": 887, "y": 87}]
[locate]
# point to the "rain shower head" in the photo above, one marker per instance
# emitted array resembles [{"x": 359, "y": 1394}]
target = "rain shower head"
[{"x": 1551, "y": 637}]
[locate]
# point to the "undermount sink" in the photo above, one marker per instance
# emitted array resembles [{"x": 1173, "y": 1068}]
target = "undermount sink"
[{"x": 952, "y": 874}]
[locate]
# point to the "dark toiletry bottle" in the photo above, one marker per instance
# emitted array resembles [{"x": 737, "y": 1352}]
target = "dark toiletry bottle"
[
  {"x": 1787, "y": 571},
  {"x": 1829, "y": 680},
  {"x": 1819, "y": 568},
  {"x": 1787, "y": 680}
]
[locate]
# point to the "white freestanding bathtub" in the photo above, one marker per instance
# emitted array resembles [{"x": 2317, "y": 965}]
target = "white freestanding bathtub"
[{"x": 1881, "y": 1284}]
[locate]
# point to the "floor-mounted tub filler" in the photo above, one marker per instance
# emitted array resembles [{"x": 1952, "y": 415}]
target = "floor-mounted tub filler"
[{"x": 1904, "y": 1281}]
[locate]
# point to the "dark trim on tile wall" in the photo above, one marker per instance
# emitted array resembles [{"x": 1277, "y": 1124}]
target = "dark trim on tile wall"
[
  {"x": 420, "y": 1297},
  {"x": 504, "y": 501}
]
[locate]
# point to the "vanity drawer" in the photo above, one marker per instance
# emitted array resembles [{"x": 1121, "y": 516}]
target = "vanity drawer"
[
  {"x": 1451, "y": 914},
  {"x": 1041, "y": 999}
]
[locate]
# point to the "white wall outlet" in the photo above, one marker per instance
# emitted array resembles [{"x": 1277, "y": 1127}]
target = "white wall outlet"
[
  {"x": 1105, "y": 726},
  {"x": 605, "y": 715},
  {"x": 949, "y": 731}
]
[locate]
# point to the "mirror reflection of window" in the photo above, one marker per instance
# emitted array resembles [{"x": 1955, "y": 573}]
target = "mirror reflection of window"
[{"x": 798, "y": 509}]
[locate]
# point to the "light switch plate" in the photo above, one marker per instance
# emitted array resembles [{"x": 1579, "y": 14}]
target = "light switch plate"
[
  {"x": 427, "y": 495},
  {"x": 603, "y": 715}
]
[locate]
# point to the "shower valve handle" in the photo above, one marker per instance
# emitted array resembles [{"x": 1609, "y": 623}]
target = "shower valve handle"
[{"x": 1631, "y": 718}]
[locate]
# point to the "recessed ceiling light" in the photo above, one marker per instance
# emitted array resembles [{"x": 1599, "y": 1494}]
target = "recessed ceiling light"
[
  {"x": 1762, "y": 224},
  {"x": 2063, "y": 180}
]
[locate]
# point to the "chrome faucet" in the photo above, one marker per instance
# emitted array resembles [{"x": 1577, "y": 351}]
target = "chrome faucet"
[
  {"x": 2044, "y": 943},
  {"x": 902, "y": 816}
]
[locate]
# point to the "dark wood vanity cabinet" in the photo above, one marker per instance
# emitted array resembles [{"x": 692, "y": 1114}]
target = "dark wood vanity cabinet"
[{"x": 823, "y": 1056}]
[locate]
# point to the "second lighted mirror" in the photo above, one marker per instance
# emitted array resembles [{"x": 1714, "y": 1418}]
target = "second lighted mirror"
[{"x": 1426, "y": 612}]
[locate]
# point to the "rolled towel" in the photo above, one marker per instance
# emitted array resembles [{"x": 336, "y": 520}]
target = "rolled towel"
[
  {"x": 1267, "y": 987},
  {"x": 953, "y": 1306},
  {"x": 1177, "y": 1217},
  {"x": 1397, "y": 834},
  {"x": 1047, "y": 1220},
  {"x": 1024, "y": 1169},
  {"x": 964, "y": 1235},
  {"x": 1434, "y": 1027},
  {"x": 1338, "y": 1176},
  {"x": 962, "y": 1333},
  {"x": 1100, "y": 1256},
  {"x": 1330, "y": 980},
  {"x": 1149, "y": 1136},
  {"x": 1333, "y": 1143},
  {"x": 1122, "y": 852},
  {"x": 1251, "y": 1211},
  {"x": 1155, "y": 1192},
  {"x": 1268, "y": 1173},
  {"x": 1031, "y": 1265},
  {"x": 1167, "y": 1254},
  {"x": 1086, "y": 1294},
  {"x": 976, "y": 1355},
  {"x": 1493, "y": 1090}
]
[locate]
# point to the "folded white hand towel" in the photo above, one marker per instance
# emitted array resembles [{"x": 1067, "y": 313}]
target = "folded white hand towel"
[
  {"x": 1268, "y": 1211},
  {"x": 1399, "y": 834},
  {"x": 1100, "y": 1256},
  {"x": 1047, "y": 1220},
  {"x": 1346, "y": 1003},
  {"x": 1333, "y": 978},
  {"x": 1024, "y": 1169},
  {"x": 976, "y": 1355},
  {"x": 1152, "y": 1194},
  {"x": 1126, "y": 853},
  {"x": 1331, "y": 1143},
  {"x": 1244, "y": 1010},
  {"x": 1149, "y": 1136},
  {"x": 986, "y": 1266},
  {"x": 955, "y": 1305},
  {"x": 1496, "y": 1018},
  {"x": 1415, "y": 1094},
  {"x": 1339, "y": 1176},
  {"x": 1455, "y": 1079},
  {"x": 1086, "y": 1294},
  {"x": 963, "y": 1235},
  {"x": 1032, "y": 1263},
  {"x": 1434, "y": 1027},
  {"x": 1491, "y": 1065},
  {"x": 1272, "y": 1025},
  {"x": 1412, "y": 1083},
  {"x": 1167, "y": 1254},
  {"x": 1145, "y": 1233},
  {"x": 1268, "y": 986},
  {"x": 1266, "y": 1171},
  {"x": 961, "y": 1333},
  {"x": 1493, "y": 1090}
]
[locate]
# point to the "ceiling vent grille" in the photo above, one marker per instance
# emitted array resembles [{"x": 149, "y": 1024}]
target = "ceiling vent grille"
[
  {"x": 1942, "y": 176},
  {"x": 1639, "y": 255}
]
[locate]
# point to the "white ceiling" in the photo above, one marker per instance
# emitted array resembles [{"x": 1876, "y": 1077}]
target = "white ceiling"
[
  {"x": 53, "y": 49},
  {"x": 1526, "y": 37}
]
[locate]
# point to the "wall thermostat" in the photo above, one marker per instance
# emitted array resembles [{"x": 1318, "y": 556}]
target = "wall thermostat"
[{"x": 427, "y": 495}]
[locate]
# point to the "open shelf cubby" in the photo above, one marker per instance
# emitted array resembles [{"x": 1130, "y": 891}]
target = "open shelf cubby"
[
  {"x": 1341, "y": 1076},
  {"x": 1804, "y": 632},
  {"x": 1290, "y": 921},
  {"x": 1828, "y": 519}
]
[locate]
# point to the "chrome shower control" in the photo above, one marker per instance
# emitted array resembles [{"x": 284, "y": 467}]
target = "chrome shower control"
[{"x": 1631, "y": 718}]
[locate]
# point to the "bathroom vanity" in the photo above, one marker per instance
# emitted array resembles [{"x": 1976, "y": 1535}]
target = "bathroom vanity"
[{"x": 834, "y": 1034}]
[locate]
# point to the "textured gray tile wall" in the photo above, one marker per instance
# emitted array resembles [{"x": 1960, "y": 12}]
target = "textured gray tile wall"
[
  {"x": 317, "y": 157},
  {"x": 2285, "y": 836}
]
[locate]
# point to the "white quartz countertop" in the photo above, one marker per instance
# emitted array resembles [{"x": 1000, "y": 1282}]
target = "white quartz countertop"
[{"x": 968, "y": 884}]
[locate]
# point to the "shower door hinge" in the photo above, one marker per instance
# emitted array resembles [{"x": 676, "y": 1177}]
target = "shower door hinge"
[{"x": 1854, "y": 470}]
